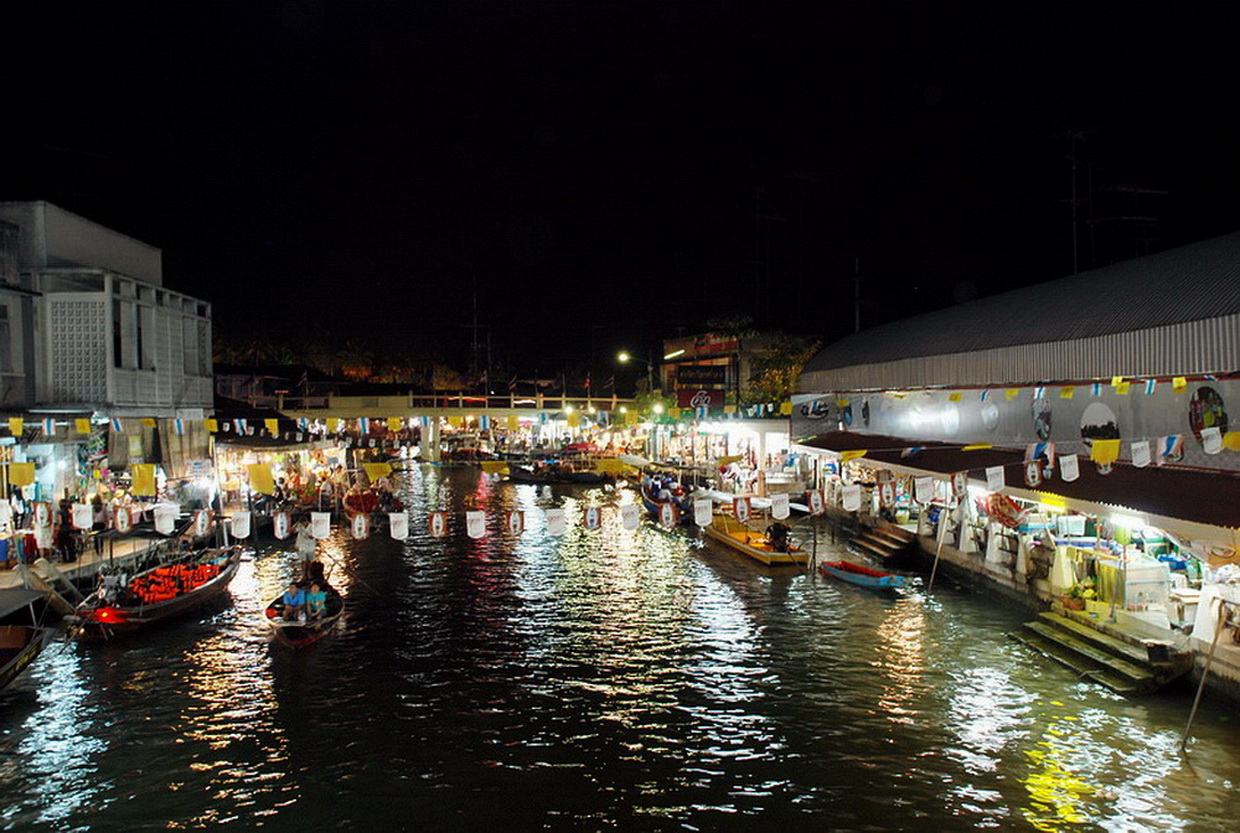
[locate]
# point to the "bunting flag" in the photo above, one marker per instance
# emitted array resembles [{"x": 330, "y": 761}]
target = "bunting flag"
[
  {"x": 1141, "y": 454},
  {"x": 1179, "y": 384},
  {"x": 703, "y": 511},
  {"x": 911, "y": 450},
  {"x": 16, "y": 425},
  {"x": 117, "y": 425},
  {"x": 475, "y": 523},
  {"x": 484, "y": 422},
  {"x": 1067, "y": 392},
  {"x": 740, "y": 508},
  {"x": 359, "y": 526},
  {"x": 845, "y": 456},
  {"x": 303, "y": 423},
  {"x": 1069, "y": 468},
  {"x": 166, "y": 517},
  {"x": 241, "y": 523},
  {"x": 261, "y": 480},
  {"x": 239, "y": 425},
  {"x": 977, "y": 447},
  {"x": 143, "y": 484},
  {"x": 887, "y": 494},
  {"x": 516, "y": 523},
  {"x": 82, "y": 424},
  {"x": 212, "y": 426},
  {"x": 437, "y": 524},
  {"x": 1170, "y": 449},
  {"x": 1033, "y": 474},
  {"x": 923, "y": 490},
  {"x": 122, "y": 521},
  {"x": 377, "y": 471},
  {"x": 985, "y": 394},
  {"x": 955, "y": 397},
  {"x": 514, "y": 422},
  {"x": 995, "y": 478},
  {"x": 178, "y": 425},
  {"x": 49, "y": 426},
  {"x": 1122, "y": 388},
  {"x": 1039, "y": 392},
  {"x": 363, "y": 425},
  {"x": 1104, "y": 452},
  {"x": 82, "y": 516},
  {"x": 1116, "y": 381},
  {"x": 1097, "y": 389},
  {"x": 556, "y": 522},
  {"x": 394, "y": 424},
  {"x": 1035, "y": 451},
  {"x": 591, "y": 517},
  {"x": 273, "y": 426},
  {"x": 1231, "y": 441},
  {"x": 817, "y": 503},
  {"x": 630, "y": 516},
  {"x": 852, "y": 497},
  {"x": 1211, "y": 440},
  {"x": 542, "y": 417},
  {"x": 148, "y": 422},
  {"x": 1150, "y": 386},
  {"x": 280, "y": 526},
  {"x": 426, "y": 421},
  {"x": 320, "y": 525},
  {"x": 42, "y": 513},
  {"x": 336, "y": 425},
  {"x": 398, "y": 525},
  {"x": 1011, "y": 393}
]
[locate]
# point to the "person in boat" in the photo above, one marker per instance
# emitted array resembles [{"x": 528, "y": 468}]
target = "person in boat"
[
  {"x": 294, "y": 599},
  {"x": 777, "y": 536},
  {"x": 307, "y": 546},
  {"x": 316, "y": 602}
]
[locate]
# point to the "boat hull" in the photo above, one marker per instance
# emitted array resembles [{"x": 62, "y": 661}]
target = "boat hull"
[
  {"x": 298, "y": 633},
  {"x": 19, "y": 645},
  {"x": 752, "y": 543},
  {"x": 862, "y": 576}
]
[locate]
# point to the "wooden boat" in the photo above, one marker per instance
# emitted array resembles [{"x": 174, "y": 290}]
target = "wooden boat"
[
  {"x": 650, "y": 490},
  {"x": 553, "y": 471},
  {"x": 22, "y": 633},
  {"x": 752, "y": 542},
  {"x": 369, "y": 500},
  {"x": 863, "y": 576},
  {"x": 162, "y": 592},
  {"x": 300, "y": 632}
]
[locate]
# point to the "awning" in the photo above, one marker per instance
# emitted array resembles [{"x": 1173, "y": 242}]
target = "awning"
[
  {"x": 14, "y": 599},
  {"x": 1186, "y": 494}
]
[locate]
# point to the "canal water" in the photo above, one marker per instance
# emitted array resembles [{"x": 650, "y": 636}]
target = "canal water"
[{"x": 603, "y": 680}]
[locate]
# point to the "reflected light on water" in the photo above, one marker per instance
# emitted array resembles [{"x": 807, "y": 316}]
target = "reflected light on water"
[{"x": 901, "y": 658}]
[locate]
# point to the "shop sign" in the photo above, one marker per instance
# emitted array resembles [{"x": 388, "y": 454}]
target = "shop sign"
[
  {"x": 699, "y": 375},
  {"x": 695, "y": 399}
]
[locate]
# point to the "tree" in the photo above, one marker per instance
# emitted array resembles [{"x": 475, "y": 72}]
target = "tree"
[{"x": 776, "y": 371}]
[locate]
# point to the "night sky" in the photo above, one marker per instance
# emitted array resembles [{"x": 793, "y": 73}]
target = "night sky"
[{"x": 598, "y": 174}]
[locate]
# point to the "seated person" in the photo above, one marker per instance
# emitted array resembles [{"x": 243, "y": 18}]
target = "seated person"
[
  {"x": 777, "y": 536},
  {"x": 294, "y": 601},
  {"x": 316, "y": 602}
]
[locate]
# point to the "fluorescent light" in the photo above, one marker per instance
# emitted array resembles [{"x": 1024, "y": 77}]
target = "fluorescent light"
[{"x": 674, "y": 354}]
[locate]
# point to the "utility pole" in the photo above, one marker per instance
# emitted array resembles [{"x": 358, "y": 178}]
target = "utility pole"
[{"x": 857, "y": 293}]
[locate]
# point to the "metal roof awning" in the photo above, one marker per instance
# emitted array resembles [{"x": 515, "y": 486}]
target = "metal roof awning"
[
  {"x": 14, "y": 599},
  {"x": 1211, "y": 498}
]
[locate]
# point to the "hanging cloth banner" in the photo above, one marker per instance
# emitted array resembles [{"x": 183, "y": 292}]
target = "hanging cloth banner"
[
  {"x": 394, "y": 424},
  {"x": 143, "y": 480},
  {"x": 476, "y": 523},
  {"x": 241, "y": 523},
  {"x": 122, "y": 520},
  {"x": 960, "y": 484},
  {"x": 16, "y": 426},
  {"x": 556, "y": 522},
  {"x": 630, "y": 516},
  {"x": 887, "y": 494},
  {"x": 166, "y": 517},
  {"x": 780, "y": 507},
  {"x": 178, "y": 425},
  {"x": 42, "y": 513},
  {"x": 1170, "y": 449},
  {"x": 260, "y": 478},
  {"x": 817, "y": 505},
  {"x": 852, "y": 497},
  {"x": 1211, "y": 440},
  {"x": 49, "y": 426},
  {"x": 280, "y": 525},
  {"x": 1033, "y": 474},
  {"x": 740, "y": 508},
  {"x": 592, "y": 517},
  {"x": 1104, "y": 452},
  {"x": 377, "y": 471},
  {"x": 516, "y": 522},
  {"x": 398, "y": 525},
  {"x": 669, "y": 515},
  {"x": 995, "y": 480},
  {"x": 703, "y": 511},
  {"x": 6, "y": 514},
  {"x": 21, "y": 474},
  {"x": 437, "y": 524},
  {"x": 1069, "y": 468},
  {"x": 43, "y": 537},
  {"x": 1141, "y": 454},
  {"x": 202, "y": 522},
  {"x": 82, "y": 516},
  {"x": 360, "y": 526},
  {"x": 923, "y": 490},
  {"x": 320, "y": 525}
]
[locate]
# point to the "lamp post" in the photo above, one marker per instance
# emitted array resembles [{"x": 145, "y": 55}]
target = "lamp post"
[{"x": 624, "y": 358}]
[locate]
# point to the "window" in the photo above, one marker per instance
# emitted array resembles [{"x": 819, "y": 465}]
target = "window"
[{"x": 6, "y": 341}]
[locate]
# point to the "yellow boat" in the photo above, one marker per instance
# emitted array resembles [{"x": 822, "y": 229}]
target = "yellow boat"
[{"x": 752, "y": 542}]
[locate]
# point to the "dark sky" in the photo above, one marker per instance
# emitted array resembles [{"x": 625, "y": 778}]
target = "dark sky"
[{"x": 602, "y": 173}]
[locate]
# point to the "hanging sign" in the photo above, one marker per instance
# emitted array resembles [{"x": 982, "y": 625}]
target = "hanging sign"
[
  {"x": 960, "y": 484},
  {"x": 703, "y": 511},
  {"x": 1211, "y": 440},
  {"x": 852, "y": 497},
  {"x": 556, "y": 522},
  {"x": 887, "y": 494},
  {"x": 398, "y": 525},
  {"x": 280, "y": 525},
  {"x": 1141, "y": 454},
  {"x": 1033, "y": 474},
  {"x": 630, "y": 516},
  {"x": 817, "y": 505},
  {"x": 166, "y": 517},
  {"x": 6, "y": 514},
  {"x": 241, "y": 524},
  {"x": 740, "y": 508},
  {"x": 780, "y": 507},
  {"x": 202, "y": 522},
  {"x": 83, "y": 516},
  {"x": 475, "y": 523},
  {"x": 995, "y": 480},
  {"x": 320, "y": 525},
  {"x": 42, "y": 514},
  {"x": 592, "y": 518},
  {"x": 1069, "y": 468},
  {"x": 669, "y": 515},
  {"x": 437, "y": 524},
  {"x": 516, "y": 522},
  {"x": 43, "y": 537},
  {"x": 923, "y": 490},
  {"x": 360, "y": 526},
  {"x": 123, "y": 520}
]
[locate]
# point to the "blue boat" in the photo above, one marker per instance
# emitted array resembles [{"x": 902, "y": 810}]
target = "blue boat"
[{"x": 863, "y": 576}]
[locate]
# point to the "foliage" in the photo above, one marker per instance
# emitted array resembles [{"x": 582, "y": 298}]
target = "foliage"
[{"x": 776, "y": 369}]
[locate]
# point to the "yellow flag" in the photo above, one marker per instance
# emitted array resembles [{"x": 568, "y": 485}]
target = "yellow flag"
[
  {"x": 16, "y": 424},
  {"x": 376, "y": 470},
  {"x": 785, "y": 409},
  {"x": 845, "y": 456},
  {"x": 1116, "y": 381},
  {"x": 514, "y": 422},
  {"x": 1067, "y": 392},
  {"x": 729, "y": 409},
  {"x": 82, "y": 425},
  {"x": 395, "y": 423},
  {"x": 456, "y": 421},
  {"x": 1011, "y": 393},
  {"x": 494, "y": 466},
  {"x": 1179, "y": 384},
  {"x": 841, "y": 403},
  {"x": 673, "y": 413},
  {"x": 21, "y": 474},
  {"x": 212, "y": 425},
  {"x": 574, "y": 419},
  {"x": 148, "y": 422},
  {"x": 1122, "y": 388},
  {"x": 1104, "y": 452},
  {"x": 1231, "y": 440},
  {"x": 260, "y": 479},
  {"x": 955, "y": 397},
  {"x": 273, "y": 426},
  {"x": 611, "y": 465},
  {"x": 143, "y": 480}
]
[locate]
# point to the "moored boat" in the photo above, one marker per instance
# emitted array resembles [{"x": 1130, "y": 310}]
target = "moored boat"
[
  {"x": 299, "y": 631},
  {"x": 174, "y": 587},
  {"x": 556, "y": 471},
  {"x": 754, "y": 543},
  {"x": 863, "y": 576},
  {"x": 661, "y": 493},
  {"x": 22, "y": 633}
]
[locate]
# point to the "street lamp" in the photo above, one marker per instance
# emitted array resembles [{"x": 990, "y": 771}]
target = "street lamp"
[{"x": 624, "y": 358}]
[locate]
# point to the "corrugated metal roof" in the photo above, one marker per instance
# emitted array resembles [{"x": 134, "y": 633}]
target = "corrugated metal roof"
[{"x": 1191, "y": 283}]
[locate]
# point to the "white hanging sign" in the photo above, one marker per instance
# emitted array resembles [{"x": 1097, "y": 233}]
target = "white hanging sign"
[
  {"x": 740, "y": 508},
  {"x": 83, "y": 516},
  {"x": 6, "y": 514},
  {"x": 995, "y": 480},
  {"x": 475, "y": 523},
  {"x": 780, "y": 507},
  {"x": 669, "y": 514},
  {"x": 516, "y": 522},
  {"x": 320, "y": 525},
  {"x": 887, "y": 494},
  {"x": 437, "y": 524},
  {"x": 42, "y": 514},
  {"x": 360, "y": 526},
  {"x": 280, "y": 525},
  {"x": 817, "y": 506},
  {"x": 1211, "y": 440},
  {"x": 43, "y": 537},
  {"x": 852, "y": 497},
  {"x": 1069, "y": 468},
  {"x": 592, "y": 518},
  {"x": 202, "y": 522},
  {"x": 241, "y": 524},
  {"x": 923, "y": 490},
  {"x": 960, "y": 484},
  {"x": 703, "y": 511},
  {"x": 166, "y": 517},
  {"x": 556, "y": 522},
  {"x": 398, "y": 525},
  {"x": 630, "y": 516},
  {"x": 1033, "y": 473},
  {"x": 1141, "y": 454},
  {"x": 122, "y": 520}
]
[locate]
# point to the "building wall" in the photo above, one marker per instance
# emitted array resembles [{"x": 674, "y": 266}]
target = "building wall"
[{"x": 52, "y": 236}]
